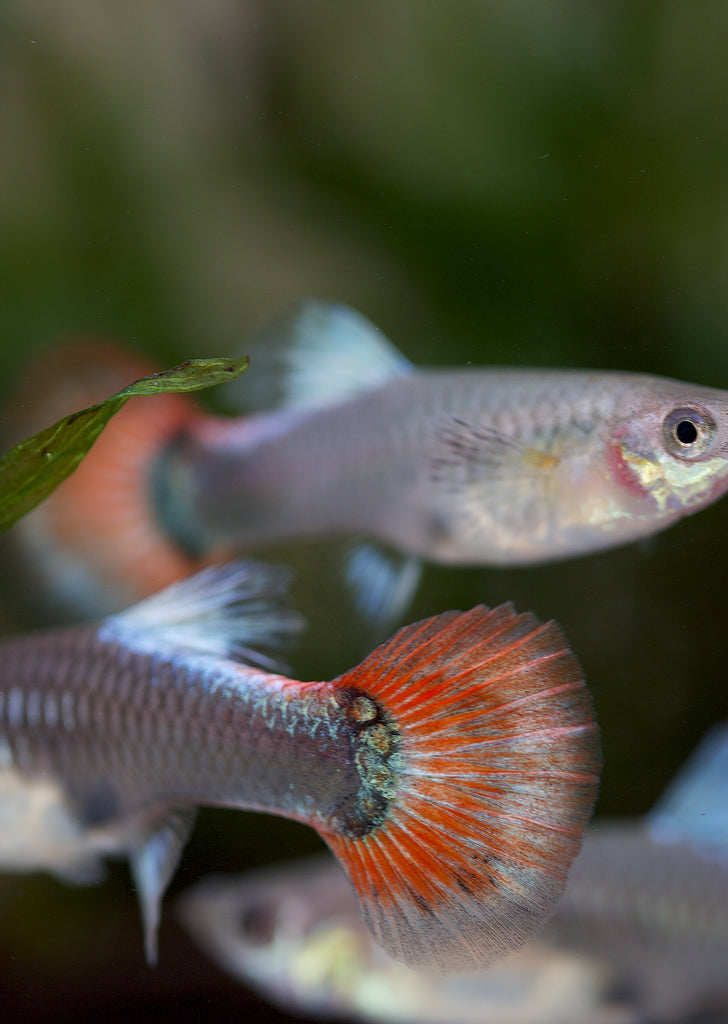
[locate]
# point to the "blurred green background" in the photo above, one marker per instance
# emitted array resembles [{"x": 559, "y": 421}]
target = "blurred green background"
[{"x": 511, "y": 182}]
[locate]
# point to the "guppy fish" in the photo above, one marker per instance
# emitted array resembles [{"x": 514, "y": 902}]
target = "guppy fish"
[
  {"x": 641, "y": 933},
  {"x": 452, "y": 772},
  {"x": 471, "y": 466}
]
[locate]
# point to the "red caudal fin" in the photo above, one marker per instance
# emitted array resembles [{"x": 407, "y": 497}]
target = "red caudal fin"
[
  {"x": 483, "y": 768},
  {"x": 94, "y": 545}
]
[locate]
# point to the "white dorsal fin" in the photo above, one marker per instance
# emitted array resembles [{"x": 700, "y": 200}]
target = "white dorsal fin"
[
  {"x": 317, "y": 355},
  {"x": 226, "y": 610},
  {"x": 465, "y": 453}
]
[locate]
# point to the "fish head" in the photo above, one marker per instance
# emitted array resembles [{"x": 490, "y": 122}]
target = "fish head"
[
  {"x": 292, "y": 932},
  {"x": 669, "y": 449}
]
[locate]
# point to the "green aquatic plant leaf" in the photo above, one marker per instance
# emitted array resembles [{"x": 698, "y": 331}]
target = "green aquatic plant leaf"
[{"x": 31, "y": 470}]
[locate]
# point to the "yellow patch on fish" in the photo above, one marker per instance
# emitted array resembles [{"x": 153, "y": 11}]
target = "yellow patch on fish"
[
  {"x": 539, "y": 460},
  {"x": 663, "y": 476}
]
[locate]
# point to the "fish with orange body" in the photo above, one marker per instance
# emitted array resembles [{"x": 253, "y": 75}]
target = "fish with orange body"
[
  {"x": 471, "y": 466},
  {"x": 452, "y": 772}
]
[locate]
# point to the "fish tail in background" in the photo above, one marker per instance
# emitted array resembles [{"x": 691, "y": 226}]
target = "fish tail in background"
[
  {"x": 94, "y": 545},
  {"x": 479, "y": 757},
  {"x": 694, "y": 807}
]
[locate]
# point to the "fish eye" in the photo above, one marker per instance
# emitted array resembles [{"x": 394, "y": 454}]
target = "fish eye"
[
  {"x": 257, "y": 924},
  {"x": 689, "y": 432}
]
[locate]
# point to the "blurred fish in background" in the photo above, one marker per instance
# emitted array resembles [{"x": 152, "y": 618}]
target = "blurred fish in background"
[{"x": 640, "y": 935}]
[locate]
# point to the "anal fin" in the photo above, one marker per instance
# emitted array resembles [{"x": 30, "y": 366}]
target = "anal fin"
[{"x": 153, "y": 863}]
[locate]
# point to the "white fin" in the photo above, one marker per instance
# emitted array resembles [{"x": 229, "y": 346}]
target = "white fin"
[
  {"x": 318, "y": 355},
  {"x": 226, "y": 610},
  {"x": 153, "y": 863},
  {"x": 382, "y": 582},
  {"x": 694, "y": 807}
]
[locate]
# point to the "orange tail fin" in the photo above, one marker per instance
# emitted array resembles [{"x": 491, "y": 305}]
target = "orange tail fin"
[
  {"x": 94, "y": 544},
  {"x": 491, "y": 778}
]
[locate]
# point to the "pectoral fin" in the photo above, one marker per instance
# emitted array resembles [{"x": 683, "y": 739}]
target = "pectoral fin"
[
  {"x": 488, "y": 477},
  {"x": 467, "y": 453}
]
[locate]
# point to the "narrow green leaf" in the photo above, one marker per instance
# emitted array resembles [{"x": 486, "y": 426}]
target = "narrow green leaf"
[{"x": 35, "y": 467}]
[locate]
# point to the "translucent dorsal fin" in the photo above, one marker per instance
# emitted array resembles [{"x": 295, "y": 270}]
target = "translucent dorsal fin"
[{"x": 318, "y": 354}]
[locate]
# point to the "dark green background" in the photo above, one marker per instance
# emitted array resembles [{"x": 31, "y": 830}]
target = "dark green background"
[{"x": 519, "y": 182}]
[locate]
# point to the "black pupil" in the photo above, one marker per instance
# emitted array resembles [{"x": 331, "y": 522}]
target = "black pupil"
[
  {"x": 686, "y": 432},
  {"x": 257, "y": 923}
]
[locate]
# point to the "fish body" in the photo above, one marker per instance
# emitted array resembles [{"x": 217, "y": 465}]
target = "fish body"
[
  {"x": 655, "y": 913},
  {"x": 476, "y": 466},
  {"x": 452, "y": 772},
  {"x": 345, "y": 438},
  {"x": 640, "y": 934}
]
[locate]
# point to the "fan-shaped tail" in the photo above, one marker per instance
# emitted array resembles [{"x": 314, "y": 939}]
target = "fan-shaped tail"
[{"x": 492, "y": 784}]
